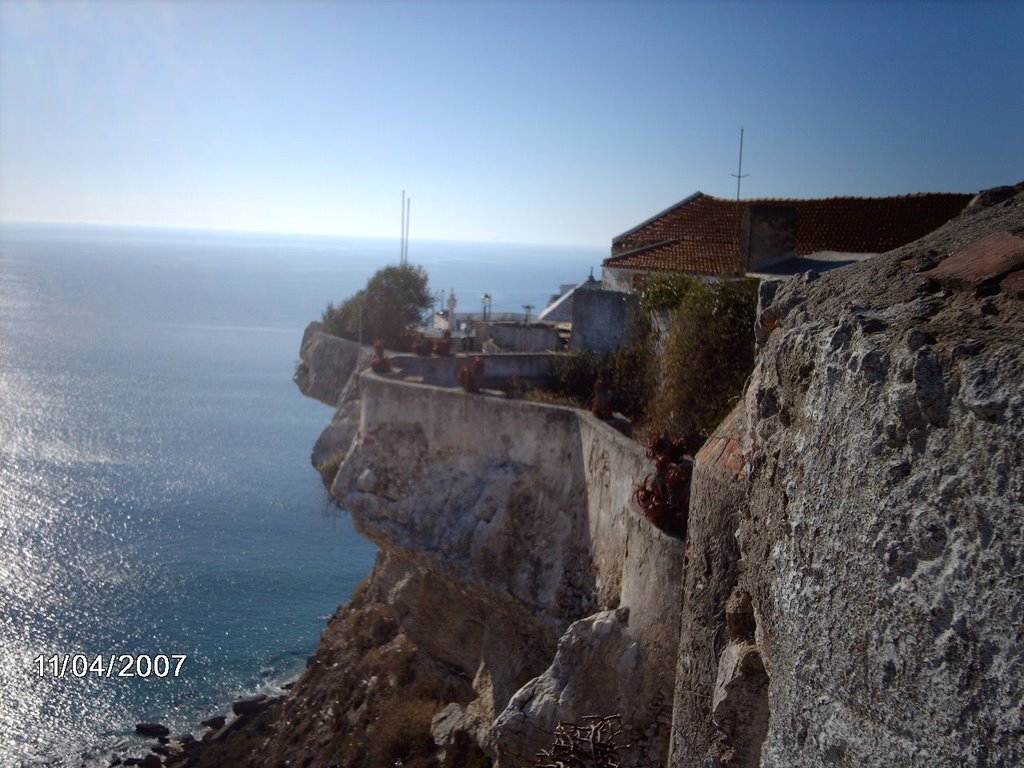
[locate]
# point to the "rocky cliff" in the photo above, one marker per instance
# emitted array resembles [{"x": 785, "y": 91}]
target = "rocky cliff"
[
  {"x": 854, "y": 594},
  {"x": 516, "y": 584},
  {"x": 849, "y": 593}
]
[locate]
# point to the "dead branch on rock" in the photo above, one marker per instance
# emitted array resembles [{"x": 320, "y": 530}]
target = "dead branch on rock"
[{"x": 592, "y": 744}]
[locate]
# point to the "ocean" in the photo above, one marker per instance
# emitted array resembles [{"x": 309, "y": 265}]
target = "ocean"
[{"x": 156, "y": 495}]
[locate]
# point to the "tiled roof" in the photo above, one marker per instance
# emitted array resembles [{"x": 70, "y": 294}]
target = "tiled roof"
[{"x": 699, "y": 234}]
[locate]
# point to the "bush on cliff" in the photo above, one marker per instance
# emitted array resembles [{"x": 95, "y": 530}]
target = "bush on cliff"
[
  {"x": 666, "y": 292},
  {"x": 392, "y": 304},
  {"x": 627, "y": 371},
  {"x": 707, "y": 357},
  {"x": 681, "y": 385}
]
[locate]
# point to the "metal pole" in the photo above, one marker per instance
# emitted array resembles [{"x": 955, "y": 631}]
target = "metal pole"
[
  {"x": 739, "y": 178},
  {"x": 740, "y": 175},
  {"x": 401, "y": 246}
]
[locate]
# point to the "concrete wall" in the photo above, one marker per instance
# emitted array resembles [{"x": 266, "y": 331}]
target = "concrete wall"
[
  {"x": 615, "y": 279},
  {"x": 528, "y": 508},
  {"x": 519, "y": 337},
  {"x": 569, "y": 451},
  {"x": 498, "y": 369},
  {"x": 602, "y": 320}
]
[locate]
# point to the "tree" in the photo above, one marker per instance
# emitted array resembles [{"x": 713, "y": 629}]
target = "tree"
[{"x": 392, "y": 304}]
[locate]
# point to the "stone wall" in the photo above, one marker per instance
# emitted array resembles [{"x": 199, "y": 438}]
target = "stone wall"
[
  {"x": 499, "y": 369},
  {"x": 768, "y": 235}
]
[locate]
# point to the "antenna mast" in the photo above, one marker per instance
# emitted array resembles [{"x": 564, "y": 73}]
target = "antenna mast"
[{"x": 739, "y": 176}]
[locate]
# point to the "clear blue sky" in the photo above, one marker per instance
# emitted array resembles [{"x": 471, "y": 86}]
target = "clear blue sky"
[{"x": 519, "y": 121}]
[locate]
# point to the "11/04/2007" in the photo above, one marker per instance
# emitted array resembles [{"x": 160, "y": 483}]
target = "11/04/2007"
[{"x": 110, "y": 665}]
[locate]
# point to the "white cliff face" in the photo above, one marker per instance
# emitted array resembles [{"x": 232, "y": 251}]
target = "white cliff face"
[
  {"x": 512, "y": 556},
  {"x": 528, "y": 510}
]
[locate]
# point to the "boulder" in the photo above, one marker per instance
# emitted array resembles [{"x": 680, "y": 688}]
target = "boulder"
[
  {"x": 881, "y": 539},
  {"x": 252, "y": 705},
  {"x": 152, "y": 730},
  {"x": 216, "y": 723}
]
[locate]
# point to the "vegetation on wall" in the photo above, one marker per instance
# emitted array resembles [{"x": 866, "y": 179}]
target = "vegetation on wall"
[
  {"x": 708, "y": 355},
  {"x": 684, "y": 384},
  {"x": 664, "y": 495},
  {"x": 392, "y": 304},
  {"x": 628, "y": 374},
  {"x": 666, "y": 291}
]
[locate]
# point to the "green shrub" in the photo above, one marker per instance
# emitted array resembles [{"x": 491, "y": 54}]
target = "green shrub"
[
  {"x": 708, "y": 355},
  {"x": 666, "y": 291},
  {"x": 687, "y": 389},
  {"x": 628, "y": 372}
]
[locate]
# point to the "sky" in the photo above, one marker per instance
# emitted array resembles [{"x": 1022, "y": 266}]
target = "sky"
[{"x": 533, "y": 122}]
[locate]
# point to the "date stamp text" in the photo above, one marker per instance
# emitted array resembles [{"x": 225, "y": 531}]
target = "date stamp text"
[{"x": 145, "y": 665}]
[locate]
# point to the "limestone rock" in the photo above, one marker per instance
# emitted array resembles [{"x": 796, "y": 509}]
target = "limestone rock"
[
  {"x": 599, "y": 668},
  {"x": 883, "y": 541},
  {"x": 327, "y": 364}
]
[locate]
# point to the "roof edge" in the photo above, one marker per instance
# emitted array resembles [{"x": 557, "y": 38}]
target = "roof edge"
[
  {"x": 657, "y": 216},
  {"x": 639, "y": 249}
]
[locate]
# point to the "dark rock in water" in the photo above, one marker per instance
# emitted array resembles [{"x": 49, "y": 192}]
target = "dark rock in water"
[
  {"x": 152, "y": 730},
  {"x": 288, "y": 686},
  {"x": 251, "y": 705},
  {"x": 115, "y": 760},
  {"x": 215, "y": 722},
  {"x": 149, "y": 761}
]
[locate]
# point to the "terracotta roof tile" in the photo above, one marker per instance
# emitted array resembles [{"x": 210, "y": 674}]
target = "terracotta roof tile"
[{"x": 699, "y": 234}]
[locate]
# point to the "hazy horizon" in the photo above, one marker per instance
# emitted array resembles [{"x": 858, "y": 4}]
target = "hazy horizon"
[{"x": 509, "y": 122}]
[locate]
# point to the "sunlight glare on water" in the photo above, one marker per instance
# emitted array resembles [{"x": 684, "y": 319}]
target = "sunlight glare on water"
[{"x": 156, "y": 495}]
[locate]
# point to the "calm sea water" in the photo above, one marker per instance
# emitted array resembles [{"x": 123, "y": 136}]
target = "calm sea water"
[{"x": 156, "y": 495}]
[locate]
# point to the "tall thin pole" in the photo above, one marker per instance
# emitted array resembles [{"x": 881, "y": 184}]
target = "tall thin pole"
[
  {"x": 401, "y": 247},
  {"x": 740, "y": 175}
]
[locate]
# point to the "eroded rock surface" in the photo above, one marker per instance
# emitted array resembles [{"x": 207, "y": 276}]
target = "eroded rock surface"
[{"x": 883, "y": 544}]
